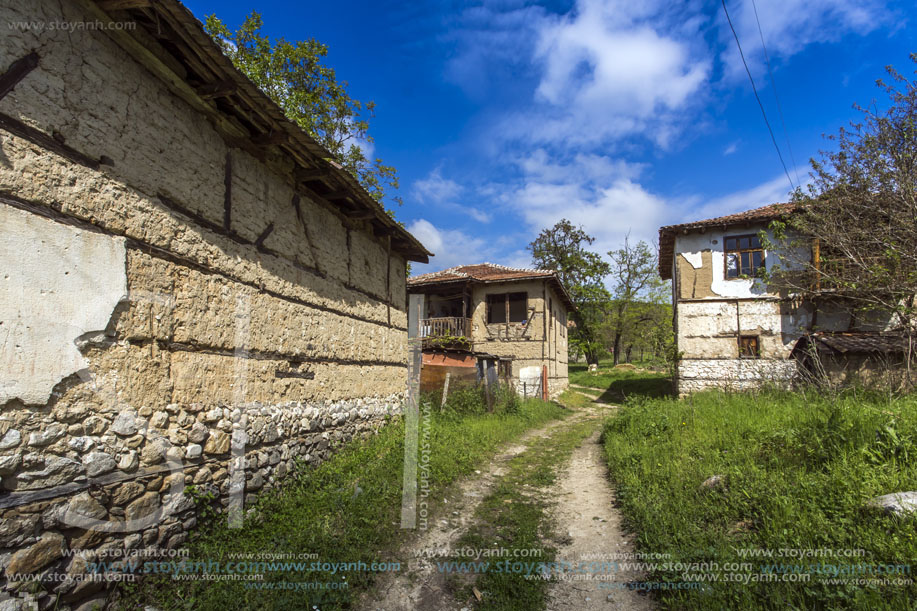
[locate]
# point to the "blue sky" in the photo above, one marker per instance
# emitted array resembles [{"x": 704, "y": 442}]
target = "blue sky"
[{"x": 504, "y": 116}]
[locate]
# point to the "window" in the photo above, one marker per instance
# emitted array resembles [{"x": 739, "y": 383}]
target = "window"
[
  {"x": 748, "y": 347},
  {"x": 514, "y": 303},
  {"x": 744, "y": 255},
  {"x": 551, "y": 310}
]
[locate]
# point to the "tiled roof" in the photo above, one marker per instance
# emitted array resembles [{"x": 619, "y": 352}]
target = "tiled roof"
[
  {"x": 481, "y": 271},
  {"x": 490, "y": 272},
  {"x": 854, "y": 343},
  {"x": 756, "y": 215}
]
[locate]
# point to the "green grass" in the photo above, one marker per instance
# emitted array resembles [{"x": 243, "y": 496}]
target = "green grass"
[
  {"x": 514, "y": 516},
  {"x": 798, "y": 469},
  {"x": 345, "y": 510},
  {"x": 622, "y": 383},
  {"x": 575, "y": 399}
]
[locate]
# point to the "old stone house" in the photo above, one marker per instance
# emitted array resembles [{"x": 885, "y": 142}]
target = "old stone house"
[
  {"x": 192, "y": 292},
  {"x": 735, "y": 332},
  {"x": 488, "y": 321}
]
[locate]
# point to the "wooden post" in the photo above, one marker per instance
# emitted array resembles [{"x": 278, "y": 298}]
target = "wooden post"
[
  {"x": 506, "y": 303},
  {"x": 544, "y": 382},
  {"x": 442, "y": 405}
]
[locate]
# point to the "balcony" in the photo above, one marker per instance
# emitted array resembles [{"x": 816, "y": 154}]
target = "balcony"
[{"x": 446, "y": 332}]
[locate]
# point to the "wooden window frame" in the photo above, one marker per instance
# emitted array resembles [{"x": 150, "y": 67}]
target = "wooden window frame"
[
  {"x": 757, "y": 343},
  {"x": 491, "y": 296},
  {"x": 738, "y": 252}
]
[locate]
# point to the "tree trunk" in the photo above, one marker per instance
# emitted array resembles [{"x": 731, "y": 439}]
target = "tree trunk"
[{"x": 617, "y": 347}]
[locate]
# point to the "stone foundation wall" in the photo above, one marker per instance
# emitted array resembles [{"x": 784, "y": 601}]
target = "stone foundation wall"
[
  {"x": 732, "y": 374},
  {"x": 174, "y": 312}
]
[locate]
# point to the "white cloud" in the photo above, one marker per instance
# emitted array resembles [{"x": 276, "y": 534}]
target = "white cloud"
[
  {"x": 610, "y": 69},
  {"x": 791, "y": 25},
  {"x": 597, "y": 192},
  {"x": 444, "y": 192},
  {"x": 450, "y": 247},
  {"x": 434, "y": 188},
  {"x": 732, "y": 148},
  {"x": 773, "y": 191}
]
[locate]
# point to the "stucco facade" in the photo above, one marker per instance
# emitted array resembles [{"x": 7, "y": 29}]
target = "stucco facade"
[{"x": 181, "y": 304}]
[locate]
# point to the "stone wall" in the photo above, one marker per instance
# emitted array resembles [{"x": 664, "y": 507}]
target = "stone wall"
[
  {"x": 195, "y": 321},
  {"x": 733, "y": 374}
]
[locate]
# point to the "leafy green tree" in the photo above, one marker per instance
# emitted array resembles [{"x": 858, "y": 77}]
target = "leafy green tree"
[
  {"x": 636, "y": 293},
  {"x": 293, "y": 75},
  {"x": 853, "y": 237},
  {"x": 562, "y": 248}
]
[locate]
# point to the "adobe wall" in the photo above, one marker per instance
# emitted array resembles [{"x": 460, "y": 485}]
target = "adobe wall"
[
  {"x": 536, "y": 343},
  {"x": 153, "y": 327}
]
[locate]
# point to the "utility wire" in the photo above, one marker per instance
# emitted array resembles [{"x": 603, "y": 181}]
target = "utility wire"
[
  {"x": 776, "y": 97},
  {"x": 757, "y": 97}
]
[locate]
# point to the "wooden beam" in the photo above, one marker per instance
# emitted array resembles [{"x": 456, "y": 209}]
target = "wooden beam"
[
  {"x": 39, "y": 138},
  {"x": 338, "y": 195},
  {"x": 308, "y": 175},
  {"x": 17, "y": 71},
  {"x": 271, "y": 138},
  {"x": 123, "y": 5},
  {"x": 218, "y": 89},
  {"x": 360, "y": 215},
  {"x": 227, "y": 193},
  {"x": 264, "y": 235}
]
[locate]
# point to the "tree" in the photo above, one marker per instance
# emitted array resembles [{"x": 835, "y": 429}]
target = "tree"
[
  {"x": 637, "y": 290},
  {"x": 562, "y": 248},
  {"x": 292, "y": 74},
  {"x": 853, "y": 238}
]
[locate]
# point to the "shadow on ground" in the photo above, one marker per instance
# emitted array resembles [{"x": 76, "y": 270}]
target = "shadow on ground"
[{"x": 638, "y": 385}]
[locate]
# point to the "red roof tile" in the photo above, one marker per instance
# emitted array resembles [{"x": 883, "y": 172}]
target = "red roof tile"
[{"x": 489, "y": 272}]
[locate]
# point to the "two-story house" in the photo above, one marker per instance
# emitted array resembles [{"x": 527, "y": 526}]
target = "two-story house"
[
  {"x": 732, "y": 330},
  {"x": 488, "y": 321}
]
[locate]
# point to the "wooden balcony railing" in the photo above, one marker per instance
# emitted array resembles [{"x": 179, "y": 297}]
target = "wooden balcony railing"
[{"x": 451, "y": 326}]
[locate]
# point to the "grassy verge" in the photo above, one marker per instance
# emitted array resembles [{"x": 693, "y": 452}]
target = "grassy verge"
[
  {"x": 797, "y": 470},
  {"x": 618, "y": 384},
  {"x": 514, "y": 517},
  {"x": 575, "y": 399},
  {"x": 344, "y": 511}
]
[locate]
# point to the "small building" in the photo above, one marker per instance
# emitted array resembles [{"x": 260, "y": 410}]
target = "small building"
[
  {"x": 851, "y": 358},
  {"x": 732, "y": 330},
  {"x": 491, "y": 322}
]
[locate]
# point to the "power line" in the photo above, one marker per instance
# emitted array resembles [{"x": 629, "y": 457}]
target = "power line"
[
  {"x": 770, "y": 73},
  {"x": 757, "y": 97}
]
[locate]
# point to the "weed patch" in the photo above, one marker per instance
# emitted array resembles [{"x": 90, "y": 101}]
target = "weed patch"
[{"x": 788, "y": 515}]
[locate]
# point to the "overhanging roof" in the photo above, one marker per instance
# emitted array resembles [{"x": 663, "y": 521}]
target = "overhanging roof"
[
  {"x": 172, "y": 44},
  {"x": 486, "y": 273}
]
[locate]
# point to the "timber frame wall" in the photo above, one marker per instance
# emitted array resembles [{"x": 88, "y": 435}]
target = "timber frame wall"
[{"x": 241, "y": 300}]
